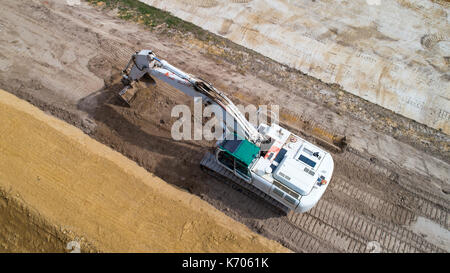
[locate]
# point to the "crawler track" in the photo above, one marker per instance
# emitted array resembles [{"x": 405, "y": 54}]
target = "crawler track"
[
  {"x": 333, "y": 227},
  {"x": 210, "y": 166}
]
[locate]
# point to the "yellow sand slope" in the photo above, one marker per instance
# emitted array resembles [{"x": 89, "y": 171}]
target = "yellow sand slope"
[{"x": 80, "y": 185}]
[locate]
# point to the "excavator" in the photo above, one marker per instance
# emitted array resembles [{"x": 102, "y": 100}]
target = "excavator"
[{"x": 284, "y": 169}]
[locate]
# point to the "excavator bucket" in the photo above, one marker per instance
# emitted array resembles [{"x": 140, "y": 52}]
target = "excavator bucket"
[{"x": 129, "y": 92}]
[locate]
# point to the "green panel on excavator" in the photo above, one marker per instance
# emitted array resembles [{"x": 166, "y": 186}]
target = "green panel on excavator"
[{"x": 241, "y": 149}]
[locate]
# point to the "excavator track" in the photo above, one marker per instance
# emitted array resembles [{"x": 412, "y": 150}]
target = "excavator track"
[{"x": 211, "y": 167}]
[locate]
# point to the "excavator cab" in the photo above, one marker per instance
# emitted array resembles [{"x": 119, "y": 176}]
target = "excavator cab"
[{"x": 236, "y": 155}]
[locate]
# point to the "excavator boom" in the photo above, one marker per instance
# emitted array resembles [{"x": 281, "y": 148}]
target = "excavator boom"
[{"x": 144, "y": 65}]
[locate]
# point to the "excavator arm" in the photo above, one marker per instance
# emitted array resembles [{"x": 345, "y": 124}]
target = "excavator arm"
[{"x": 144, "y": 65}]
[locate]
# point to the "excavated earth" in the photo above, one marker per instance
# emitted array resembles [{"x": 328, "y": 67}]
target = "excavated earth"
[
  {"x": 108, "y": 203},
  {"x": 390, "y": 190}
]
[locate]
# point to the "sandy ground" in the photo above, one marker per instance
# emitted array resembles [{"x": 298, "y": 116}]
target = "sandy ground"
[
  {"x": 66, "y": 60},
  {"x": 90, "y": 190},
  {"x": 361, "y": 45}
]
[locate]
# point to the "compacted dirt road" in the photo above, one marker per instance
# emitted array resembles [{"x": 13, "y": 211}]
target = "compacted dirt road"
[{"x": 390, "y": 188}]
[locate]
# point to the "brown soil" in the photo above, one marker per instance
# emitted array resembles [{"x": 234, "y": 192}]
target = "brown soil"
[
  {"x": 67, "y": 60},
  {"x": 61, "y": 176}
]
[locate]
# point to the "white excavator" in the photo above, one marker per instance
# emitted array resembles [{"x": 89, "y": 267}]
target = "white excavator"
[{"x": 268, "y": 160}]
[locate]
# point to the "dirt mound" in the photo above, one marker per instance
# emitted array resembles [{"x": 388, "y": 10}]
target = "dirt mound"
[{"x": 60, "y": 176}]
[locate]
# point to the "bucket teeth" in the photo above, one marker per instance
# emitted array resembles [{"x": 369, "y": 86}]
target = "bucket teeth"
[
  {"x": 131, "y": 88},
  {"x": 128, "y": 94}
]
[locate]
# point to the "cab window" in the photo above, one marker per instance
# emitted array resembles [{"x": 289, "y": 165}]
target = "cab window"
[
  {"x": 241, "y": 168},
  {"x": 226, "y": 159}
]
